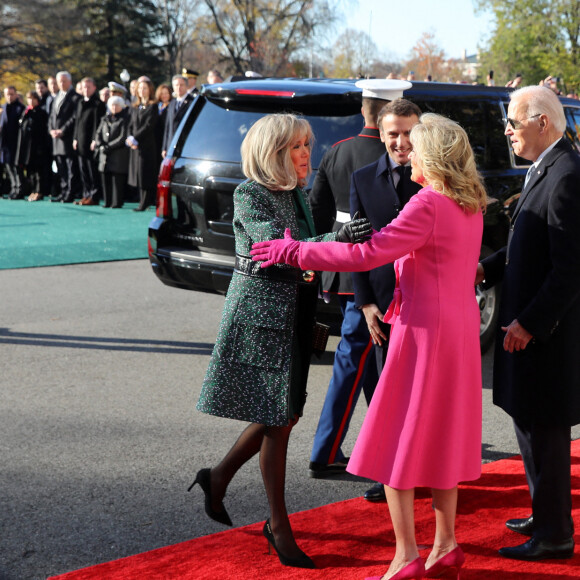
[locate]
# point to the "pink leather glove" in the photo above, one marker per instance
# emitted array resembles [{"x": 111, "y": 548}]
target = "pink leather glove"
[{"x": 283, "y": 251}]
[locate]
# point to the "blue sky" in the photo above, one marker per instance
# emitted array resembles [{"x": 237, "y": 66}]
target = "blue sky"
[{"x": 454, "y": 23}]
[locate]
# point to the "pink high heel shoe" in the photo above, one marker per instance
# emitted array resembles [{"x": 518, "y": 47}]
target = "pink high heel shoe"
[
  {"x": 415, "y": 569},
  {"x": 452, "y": 561}
]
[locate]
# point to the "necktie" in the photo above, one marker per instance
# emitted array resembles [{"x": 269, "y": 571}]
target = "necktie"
[
  {"x": 401, "y": 184},
  {"x": 177, "y": 105},
  {"x": 59, "y": 99},
  {"x": 529, "y": 174}
]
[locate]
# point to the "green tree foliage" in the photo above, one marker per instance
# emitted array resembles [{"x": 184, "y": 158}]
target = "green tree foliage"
[
  {"x": 535, "y": 38},
  {"x": 117, "y": 34},
  {"x": 95, "y": 38},
  {"x": 31, "y": 45}
]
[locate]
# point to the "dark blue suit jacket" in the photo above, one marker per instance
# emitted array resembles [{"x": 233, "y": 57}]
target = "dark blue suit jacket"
[
  {"x": 173, "y": 119},
  {"x": 372, "y": 192},
  {"x": 9, "y": 119}
]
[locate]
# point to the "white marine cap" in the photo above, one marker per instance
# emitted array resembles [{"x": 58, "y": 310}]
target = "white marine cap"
[
  {"x": 384, "y": 89},
  {"x": 113, "y": 86}
]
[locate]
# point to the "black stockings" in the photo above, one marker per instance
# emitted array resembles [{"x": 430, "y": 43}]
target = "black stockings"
[{"x": 272, "y": 443}]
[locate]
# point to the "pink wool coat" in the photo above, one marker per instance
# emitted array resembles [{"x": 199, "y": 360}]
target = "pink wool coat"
[{"x": 423, "y": 427}]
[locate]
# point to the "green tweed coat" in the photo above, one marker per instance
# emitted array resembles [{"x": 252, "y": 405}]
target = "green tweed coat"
[{"x": 249, "y": 372}]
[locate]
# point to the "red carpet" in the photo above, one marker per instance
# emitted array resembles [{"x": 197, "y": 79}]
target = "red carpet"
[{"x": 354, "y": 539}]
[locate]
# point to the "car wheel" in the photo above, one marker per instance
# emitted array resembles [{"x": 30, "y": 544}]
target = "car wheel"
[{"x": 488, "y": 302}]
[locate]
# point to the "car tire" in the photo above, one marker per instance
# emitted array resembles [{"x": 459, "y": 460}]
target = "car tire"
[{"x": 488, "y": 302}]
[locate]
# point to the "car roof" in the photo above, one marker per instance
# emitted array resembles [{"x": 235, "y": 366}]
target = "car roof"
[
  {"x": 343, "y": 90},
  {"x": 294, "y": 88}
]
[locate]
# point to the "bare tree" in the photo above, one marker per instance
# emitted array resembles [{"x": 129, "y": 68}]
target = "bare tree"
[
  {"x": 178, "y": 18},
  {"x": 354, "y": 52},
  {"x": 427, "y": 57},
  {"x": 262, "y": 35}
]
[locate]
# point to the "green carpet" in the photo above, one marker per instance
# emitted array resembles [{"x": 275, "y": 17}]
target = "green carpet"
[{"x": 52, "y": 234}]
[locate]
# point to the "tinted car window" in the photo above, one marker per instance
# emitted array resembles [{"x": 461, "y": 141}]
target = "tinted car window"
[
  {"x": 206, "y": 142},
  {"x": 574, "y": 135},
  {"x": 483, "y": 124}
]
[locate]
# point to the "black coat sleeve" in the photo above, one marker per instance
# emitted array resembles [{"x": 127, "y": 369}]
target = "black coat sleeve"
[
  {"x": 322, "y": 200},
  {"x": 493, "y": 267}
]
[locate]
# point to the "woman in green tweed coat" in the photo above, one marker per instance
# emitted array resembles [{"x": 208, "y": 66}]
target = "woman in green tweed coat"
[{"x": 259, "y": 366}]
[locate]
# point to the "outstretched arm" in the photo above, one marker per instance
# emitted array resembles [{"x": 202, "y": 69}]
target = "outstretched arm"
[{"x": 408, "y": 232}]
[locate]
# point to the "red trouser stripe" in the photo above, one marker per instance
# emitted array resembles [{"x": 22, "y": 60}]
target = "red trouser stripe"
[{"x": 346, "y": 415}]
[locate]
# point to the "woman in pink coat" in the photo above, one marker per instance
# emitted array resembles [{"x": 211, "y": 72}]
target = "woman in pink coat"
[{"x": 423, "y": 427}]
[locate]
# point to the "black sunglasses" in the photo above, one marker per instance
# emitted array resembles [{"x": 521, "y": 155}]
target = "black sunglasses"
[{"x": 517, "y": 124}]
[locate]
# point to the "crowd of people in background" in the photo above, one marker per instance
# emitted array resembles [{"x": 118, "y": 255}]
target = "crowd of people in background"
[
  {"x": 78, "y": 144},
  {"x": 82, "y": 145}
]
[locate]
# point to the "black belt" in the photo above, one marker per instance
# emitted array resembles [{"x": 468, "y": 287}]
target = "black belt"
[{"x": 247, "y": 266}]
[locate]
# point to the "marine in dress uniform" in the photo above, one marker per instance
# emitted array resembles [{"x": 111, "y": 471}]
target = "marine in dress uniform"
[{"x": 330, "y": 200}]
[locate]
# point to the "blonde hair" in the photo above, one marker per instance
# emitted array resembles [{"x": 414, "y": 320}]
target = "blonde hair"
[
  {"x": 446, "y": 160},
  {"x": 266, "y": 150}
]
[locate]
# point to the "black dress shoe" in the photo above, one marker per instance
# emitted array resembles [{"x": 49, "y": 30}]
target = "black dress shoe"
[
  {"x": 376, "y": 493},
  {"x": 535, "y": 549},
  {"x": 322, "y": 470},
  {"x": 524, "y": 526}
]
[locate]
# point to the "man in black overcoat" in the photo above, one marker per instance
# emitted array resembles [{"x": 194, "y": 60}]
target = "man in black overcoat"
[
  {"x": 537, "y": 353},
  {"x": 90, "y": 111},
  {"x": 61, "y": 126}
]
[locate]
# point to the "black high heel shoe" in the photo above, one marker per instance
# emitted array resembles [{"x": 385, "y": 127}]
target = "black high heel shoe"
[
  {"x": 303, "y": 561},
  {"x": 203, "y": 478}
]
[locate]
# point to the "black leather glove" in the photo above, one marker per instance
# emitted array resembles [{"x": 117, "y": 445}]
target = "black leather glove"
[{"x": 356, "y": 231}]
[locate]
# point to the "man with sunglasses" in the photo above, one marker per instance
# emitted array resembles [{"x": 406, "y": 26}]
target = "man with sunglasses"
[{"x": 536, "y": 371}]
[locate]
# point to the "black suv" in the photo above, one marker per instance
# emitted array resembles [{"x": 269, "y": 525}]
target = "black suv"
[{"x": 191, "y": 240}]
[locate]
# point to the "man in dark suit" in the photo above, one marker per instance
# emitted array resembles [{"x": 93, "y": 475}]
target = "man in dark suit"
[
  {"x": 378, "y": 192},
  {"x": 176, "y": 110},
  {"x": 90, "y": 111},
  {"x": 61, "y": 124},
  {"x": 330, "y": 199},
  {"x": 53, "y": 90},
  {"x": 536, "y": 369}
]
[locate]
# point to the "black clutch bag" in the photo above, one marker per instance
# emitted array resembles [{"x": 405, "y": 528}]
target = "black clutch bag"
[{"x": 320, "y": 338}]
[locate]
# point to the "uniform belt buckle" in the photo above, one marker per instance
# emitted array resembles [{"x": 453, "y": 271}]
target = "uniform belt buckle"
[{"x": 308, "y": 275}]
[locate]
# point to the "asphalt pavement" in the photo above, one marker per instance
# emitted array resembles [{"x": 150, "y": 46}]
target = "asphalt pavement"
[{"x": 101, "y": 366}]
